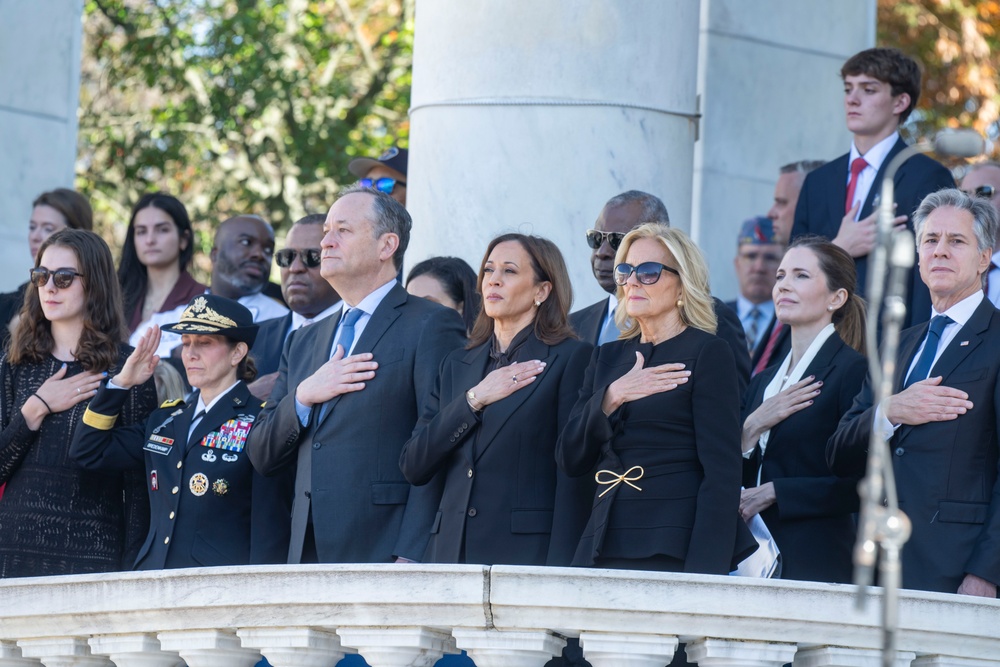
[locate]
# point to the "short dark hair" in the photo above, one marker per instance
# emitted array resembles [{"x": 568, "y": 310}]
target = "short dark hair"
[
  {"x": 801, "y": 166},
  {"x": 653, "y": 208},
  {"x": 389, "y": 218},
  {"x": 890, "y": 66},
  {"x": 552, "y": 319},
  {"x": 311, "y": 219},
  {"x": 73, "y": 206},
  {"x": 458, "y": 280}
]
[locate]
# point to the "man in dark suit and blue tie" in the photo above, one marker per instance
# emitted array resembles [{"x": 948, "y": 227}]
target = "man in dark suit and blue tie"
[
  {"x": 943, "y": 420},
  {"x": 307, "y": 294},
  {"x": 348, "y": 394},
  {"x": 838, "y": 200}
]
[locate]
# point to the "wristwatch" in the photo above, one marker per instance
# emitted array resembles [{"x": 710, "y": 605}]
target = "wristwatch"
[{"x": 470, "y": 396}]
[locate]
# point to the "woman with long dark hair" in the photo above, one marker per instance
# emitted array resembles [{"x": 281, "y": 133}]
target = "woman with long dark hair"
[
  {"x": 68, "y": 341},
  {"x": 449, "y": 281},
  {"x": 793, "y": 407},
  {"x": 159, "y": 245}
]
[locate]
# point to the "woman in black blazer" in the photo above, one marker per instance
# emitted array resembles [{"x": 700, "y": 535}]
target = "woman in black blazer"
[
  {"x": 793, "y": 409},
  {"x": 489, "y": 433},
  {"x": 658, "y": 415}
]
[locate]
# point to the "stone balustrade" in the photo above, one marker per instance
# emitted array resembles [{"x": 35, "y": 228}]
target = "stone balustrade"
[{"x": 504, "y": 616}]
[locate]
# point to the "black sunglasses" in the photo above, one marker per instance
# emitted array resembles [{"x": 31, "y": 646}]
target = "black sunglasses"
[
  {"x": 646, "y": 273},
  {"x": 62, "y": 278},
  {"x": 595, "y": 239},
  {"x": 386, "y": 185},
  {"x": 984, "y": 191},
  {"x": 311, "y": 257}
]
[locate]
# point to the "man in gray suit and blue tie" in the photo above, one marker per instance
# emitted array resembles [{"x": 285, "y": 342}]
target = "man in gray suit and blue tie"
[{"x": 348, "y": 394}]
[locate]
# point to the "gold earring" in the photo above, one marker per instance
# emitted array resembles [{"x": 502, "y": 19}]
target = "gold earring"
[{"x": 680, "y": 303}]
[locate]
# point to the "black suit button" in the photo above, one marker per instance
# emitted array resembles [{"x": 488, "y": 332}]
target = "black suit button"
[
  {"x": 472, "y": 511},
  {"x": 308, "y": 494},
  {"x": 900, "y": 451},
  {"x": 317, "y": 445},
  {"x": 451, "y": 439},
  {"x": 464, "y": 426}
]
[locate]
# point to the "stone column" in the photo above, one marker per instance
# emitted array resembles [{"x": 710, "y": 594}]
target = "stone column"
[
  {"x": 62, "y": 652},
  {"x": 209, "y": 648},
  {"x": 733, "y": 653},
  {"x": 398, "y": 646},
  {"x": 509, "y": 648},
  {"x": 39, "y": 95},
  {"x": 606, "y": 649},
  {"x": 138, "y": 650},
  {"x": 528, "y": 116}
]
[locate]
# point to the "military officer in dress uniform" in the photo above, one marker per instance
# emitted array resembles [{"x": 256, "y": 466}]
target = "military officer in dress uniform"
[{"x": 209, "y": 506}]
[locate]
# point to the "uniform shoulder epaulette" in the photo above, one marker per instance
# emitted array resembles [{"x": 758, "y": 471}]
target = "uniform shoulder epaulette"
[{"x": 170, "y": 404}]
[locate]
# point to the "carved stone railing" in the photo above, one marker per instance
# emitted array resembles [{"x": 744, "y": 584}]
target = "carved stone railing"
[{"x": 409, "y": 615}]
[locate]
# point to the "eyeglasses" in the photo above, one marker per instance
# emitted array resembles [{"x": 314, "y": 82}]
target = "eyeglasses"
[
  {"x": 596, "y": 239},
  {"x": 311, "y": 257},
  {"x": 984, "y": 191},
  {"x": 61, "y": 278},
  {"x": 646, "y": 273},
  {"x": 386, "y": 185}
]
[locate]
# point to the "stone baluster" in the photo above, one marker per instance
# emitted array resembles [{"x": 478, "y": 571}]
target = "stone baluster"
[
  {"x": 397, "y": 647},
  {"x": 509, "y": 648},
  {"x": 209, "y": 648},
  {"x": 62, "y": 652},
  {"x": 610, "y": 649},
  {"x": 732, "y": 653},
  {"x": 841, "y": 656},
  {"x": 295, "y": 647},
  {"x": 10, "y": 656},
  {"x": 949, "y": 661},
  {"x": 136, "y": 650}
]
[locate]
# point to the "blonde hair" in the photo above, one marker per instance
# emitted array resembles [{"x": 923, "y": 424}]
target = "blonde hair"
[
  {"x": 698, "y": 309},
  {"x": 169, "y": 383}
]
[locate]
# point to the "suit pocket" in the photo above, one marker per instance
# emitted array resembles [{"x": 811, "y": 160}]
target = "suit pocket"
[
  {"x": 390, "y": 356},
  {"x": 954, "y": 512},
  {"x": 531, "y": 521},
  {"x": 965, "y": 378},
  {"x": 437, "y": 523},
  {"x": 390, "y": 493}
]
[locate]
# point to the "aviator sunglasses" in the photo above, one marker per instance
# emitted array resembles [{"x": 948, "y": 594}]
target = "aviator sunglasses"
[
  {"x": 983, "y": 191},
  {"x": 386, "y": 185},
  {"x": 595, "y": 239},
  {"x": 646, "y": 273},
  {"x": 310, "y": 257},
  {"x": 62, "y": 278}
]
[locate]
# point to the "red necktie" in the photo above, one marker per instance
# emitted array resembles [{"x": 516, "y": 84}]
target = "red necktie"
[
  {"x": 765, "y": 356},
  {"x": 857, "y": 167}
]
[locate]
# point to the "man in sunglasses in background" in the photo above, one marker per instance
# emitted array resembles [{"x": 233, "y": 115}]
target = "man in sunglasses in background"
[
  {"x": 386, "y": 174},
  {"x": 983, "y": 180},
  {"x": 307, "y": 293},
  {"x": 620, "y": 215}
]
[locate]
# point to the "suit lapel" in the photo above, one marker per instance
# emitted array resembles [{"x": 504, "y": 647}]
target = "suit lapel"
[
  {"x": 496, "y": 415},
  {"x": 908, "y": 349},
  {"x": 965, "y": 341},
  {"x": 838, "y": 193},
  {"x": 820, "y": 367},
  {"x": 876, "y": 187}
]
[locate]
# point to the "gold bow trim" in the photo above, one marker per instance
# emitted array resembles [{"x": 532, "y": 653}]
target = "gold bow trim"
[{"x": 614, "y": 479}]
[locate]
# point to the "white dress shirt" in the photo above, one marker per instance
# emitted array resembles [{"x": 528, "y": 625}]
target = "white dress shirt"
[{"x": 874, "y": 157}]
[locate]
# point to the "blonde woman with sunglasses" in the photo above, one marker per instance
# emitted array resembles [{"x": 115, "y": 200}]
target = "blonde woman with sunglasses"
[{"x": 56, "y": 518}]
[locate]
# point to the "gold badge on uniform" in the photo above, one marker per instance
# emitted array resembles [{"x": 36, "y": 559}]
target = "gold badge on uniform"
[
  {"x": 220, "y": 487},
  {"x": 198, "y": 484}
]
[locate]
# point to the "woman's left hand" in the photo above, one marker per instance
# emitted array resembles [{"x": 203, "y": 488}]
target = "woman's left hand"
[
  {"x": 756, "y": 500},
  {"x": 142, "y": 362}
]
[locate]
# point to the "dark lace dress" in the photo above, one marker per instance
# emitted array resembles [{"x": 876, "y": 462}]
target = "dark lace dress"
[{"x": 56, "y": 518}]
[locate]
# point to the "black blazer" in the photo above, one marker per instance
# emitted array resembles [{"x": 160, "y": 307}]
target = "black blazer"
[
  {"x": 499, "y": 471},
  {"x": 812, "y": 520},
  {"x": 946, "y": 472},
  {"x": 687, "y": 441},
  {"x": 346, "y": 458},
  {"x": 821, "y": 208},
  {"x": 208, "y": 506},
  {"x": 266, "y": 350},
  {"x": 587, "y": 323}
]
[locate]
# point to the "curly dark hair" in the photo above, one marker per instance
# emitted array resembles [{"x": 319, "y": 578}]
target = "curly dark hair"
[{"x": 103, "y": 322}]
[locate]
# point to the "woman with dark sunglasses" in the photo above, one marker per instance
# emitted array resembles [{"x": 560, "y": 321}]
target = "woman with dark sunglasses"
[
  {"x": 658, "y": 420},
  {"x": 159, "y": 245},
  {"x": 69, "y": 340},
  {"x": 490, "y": 432}
]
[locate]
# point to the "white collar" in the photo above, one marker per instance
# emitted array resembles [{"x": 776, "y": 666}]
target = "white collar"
[
  {"x": 963, "y": 310},
  {"x": 876, "y": 154},
  {"x": 368, "y": 304},
  {"x": 297, "y": 320},
  {"x": 200, "y": 406}
]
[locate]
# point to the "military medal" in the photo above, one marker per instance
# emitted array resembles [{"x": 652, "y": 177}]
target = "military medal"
[
  {"x": 229, "y": 458},
  {"x": 198, "y": 484},
  {"x": 208, "y": 456},
  {"x": 220, "y": 487}
]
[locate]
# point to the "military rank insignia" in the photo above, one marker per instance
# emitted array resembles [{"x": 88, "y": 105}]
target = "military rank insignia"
[
  {"x": 231, "y": 436},
  {"x": 220, "y": 487}
]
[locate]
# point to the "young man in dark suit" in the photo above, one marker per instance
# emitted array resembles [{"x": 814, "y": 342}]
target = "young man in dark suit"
[
  {"x": 595, "y": 323},
  {"x": 838, "y": 200},
  {"x": 308, "y": 295},
  {"x": 943, "y": 419},
  {"x": 348, "y": 394}
]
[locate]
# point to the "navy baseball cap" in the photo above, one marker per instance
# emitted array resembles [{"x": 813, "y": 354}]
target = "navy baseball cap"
[{"x": 394, "y": 158}]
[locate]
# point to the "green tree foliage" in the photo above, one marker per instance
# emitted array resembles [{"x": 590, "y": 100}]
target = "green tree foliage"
[
  {"x": 958, "y": 45},
  {"x": 237, "y": 106}
]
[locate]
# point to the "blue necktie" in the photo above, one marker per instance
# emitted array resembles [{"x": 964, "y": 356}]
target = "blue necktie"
[
  {"x": 351, "y": 318},
  {"x": 926, "y": 359},
  {"x": 610, "y": 332}
]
